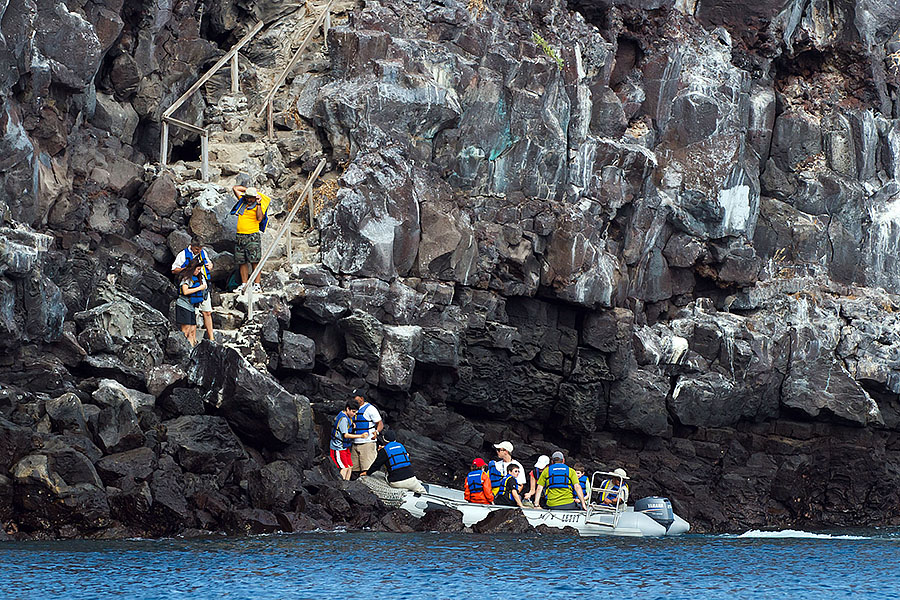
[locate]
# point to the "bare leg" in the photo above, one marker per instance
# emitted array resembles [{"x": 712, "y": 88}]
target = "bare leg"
[
  {"x": 207, "y": 321},
  {"x": 192, "y": 335},
  {"x": 258, "y": 275},
  {"x": 245, "y": 273},
  {"x": 345, "y": 473},
  {"x": 186, "y": 330}
]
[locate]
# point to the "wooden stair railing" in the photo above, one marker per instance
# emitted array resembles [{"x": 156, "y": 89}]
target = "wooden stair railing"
[
  {"x": 324, "y": 21},
  {"x": 167, "y": 119},
  {"x": 285, "y": 227}
]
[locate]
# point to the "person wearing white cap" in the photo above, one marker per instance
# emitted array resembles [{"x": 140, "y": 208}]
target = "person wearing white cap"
[
  {"x": 251, "y": 211},
  {"x": 539, "y": 466},
  {"x": 560, "y": 481},
  {"x": 614, "y": 491},
  {"x": 497, "y": 468}
]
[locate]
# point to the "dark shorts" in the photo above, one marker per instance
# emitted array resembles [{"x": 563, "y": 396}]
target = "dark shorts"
[
  {"x": 570, "y": 506},
  {"x": 248, "y": 248},
  {"x": 184, "y": 316}
]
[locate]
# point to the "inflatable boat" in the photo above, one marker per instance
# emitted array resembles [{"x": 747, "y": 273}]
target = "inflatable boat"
[{"x": 649, "y": 517}]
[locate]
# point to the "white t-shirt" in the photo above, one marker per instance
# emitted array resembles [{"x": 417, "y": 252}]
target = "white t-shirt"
[
  {"x": 181, "y": 260},
  {"x": 373, "y": 416},
  {"x": 503, "y": 466}
]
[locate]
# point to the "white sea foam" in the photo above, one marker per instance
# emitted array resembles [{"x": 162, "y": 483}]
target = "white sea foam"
[{"x": 793, "y": 533}]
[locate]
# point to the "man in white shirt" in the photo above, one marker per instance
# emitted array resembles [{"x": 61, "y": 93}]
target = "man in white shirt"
[
  {"x": 503, "y": 462},
  {"x": 184, "y": 257},
  {"x": 367, "y": 421}
]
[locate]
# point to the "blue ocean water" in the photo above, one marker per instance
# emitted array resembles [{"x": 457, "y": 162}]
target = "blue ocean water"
[{"x": 387, "y": 566}]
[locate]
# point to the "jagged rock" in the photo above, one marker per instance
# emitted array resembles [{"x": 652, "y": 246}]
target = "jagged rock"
[
  {"x": 162, "y": 378},
  {"x": 363, "y": 335},
  {"x": 183, "y": 401},
  {"x": 638, "y": 403},
  {"x": 397, "y": 363},
  {"x": 503, "y": 521},
  {"x": 399, "y": 521},
  {"x": 161, "y": 198},
  {"x": 67, "y": 413},
  {"x": 442, "y": 521},
  {"x": 253, "y": 521},
  {"x": 274, "y": 486},
  {"x": 203, "y": 443},
  {"x": 298, "y": 352},
  {"x": 117, "y": 118},
  {"x": 818, "y": 387},
  {"x": 118, "y": 428},
  {"x": 138, "y": 464},
  {"x": 253, "y": 403},
  {"x": 113, "y": 393}
]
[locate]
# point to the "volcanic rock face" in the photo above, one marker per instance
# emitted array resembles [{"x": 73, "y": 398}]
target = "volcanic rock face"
[{"x": 660, "y": 235}]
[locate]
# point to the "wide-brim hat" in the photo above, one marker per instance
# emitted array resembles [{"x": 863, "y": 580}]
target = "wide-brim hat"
[
  {"x": 252, "y": 192},
  {"x": 620, "y": 473}
]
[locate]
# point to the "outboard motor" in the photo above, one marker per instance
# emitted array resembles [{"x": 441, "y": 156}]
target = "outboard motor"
[{"x": 658, "y": 509}]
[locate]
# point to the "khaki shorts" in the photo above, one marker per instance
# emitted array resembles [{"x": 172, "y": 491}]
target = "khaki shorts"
[
  {"x": 363, "y": 456},
  {"x": 206, "y": 305}
]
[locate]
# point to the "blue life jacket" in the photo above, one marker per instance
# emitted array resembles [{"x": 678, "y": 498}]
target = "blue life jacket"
[
  {"x": 495, "y": 474},
  {"x": 474, "y": 481},
  {"x": 360, "y": 423},
  {"x": 558, "y": 476},
  {"x": 583, "y": 480},
  {"x": 188, "y": 256},
  {"x": 610, "y": 491},
  {"x": 240, "y": 206},
  {"x": 397, "y": 455},
  {"x": 195, "y": 297},
  {"x": 336, "y": 435},
  {"x": 508, "y": 485}
]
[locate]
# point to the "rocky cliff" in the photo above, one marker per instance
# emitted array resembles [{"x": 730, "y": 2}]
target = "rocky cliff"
[{"x": 659, "y": 234}]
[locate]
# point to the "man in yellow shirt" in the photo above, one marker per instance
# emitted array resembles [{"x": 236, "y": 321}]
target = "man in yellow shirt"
[
  {"x": 248, "y": 247},
  {"x": 560, "y": 481}
]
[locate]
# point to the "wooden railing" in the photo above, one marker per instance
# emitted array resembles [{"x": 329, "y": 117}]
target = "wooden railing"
[
  {"x": 307, "y": 193},
  {"x": 167, "y": 119},
  {"x": 324, "y": 21}
]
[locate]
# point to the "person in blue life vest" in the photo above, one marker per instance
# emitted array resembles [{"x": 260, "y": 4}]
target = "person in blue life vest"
[
  {"x": 195, "y": 248},
  {"x": 542, "y": 463},
  {"x": 368, "y": 421},
  {"x": 560, "y": 481},
  {"x": 340, "y": 442},
  {"x": 583, "y": 481},
  {"x": 190, "y": 294},
  {"x": 497, "y": 468},
  {"x": 508, "y": 494},
  {"x": 394, "y": 456},
  {"x": 614, "y": 490}
]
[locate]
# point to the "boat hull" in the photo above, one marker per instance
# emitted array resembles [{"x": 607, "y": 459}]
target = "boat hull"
[{"x": 601, "y": 521}]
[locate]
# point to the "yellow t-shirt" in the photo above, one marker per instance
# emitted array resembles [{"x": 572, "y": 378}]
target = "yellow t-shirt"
[
  {"x": 247, "y": 222},
  {"x": 559, "y": 496}
]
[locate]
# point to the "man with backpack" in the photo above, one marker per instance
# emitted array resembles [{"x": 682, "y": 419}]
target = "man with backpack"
[
  {"x": 251, "y": 210},
  {"x": 181, "y": 262}
]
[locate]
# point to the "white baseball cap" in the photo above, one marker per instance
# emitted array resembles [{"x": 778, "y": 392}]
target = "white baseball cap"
[{"x": 504, "y": 446}]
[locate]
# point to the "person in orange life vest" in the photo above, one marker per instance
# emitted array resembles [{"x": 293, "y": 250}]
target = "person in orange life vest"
[
  {"x": 195, "y": 248},
  {"x": 478, "y": 484}
]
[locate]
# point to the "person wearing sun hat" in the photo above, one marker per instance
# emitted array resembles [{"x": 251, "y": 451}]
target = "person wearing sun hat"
[
  {"x": 478, "y": 484},
  {"x": 614, "y": 491},
  {"x": 539, "y": 466}
]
